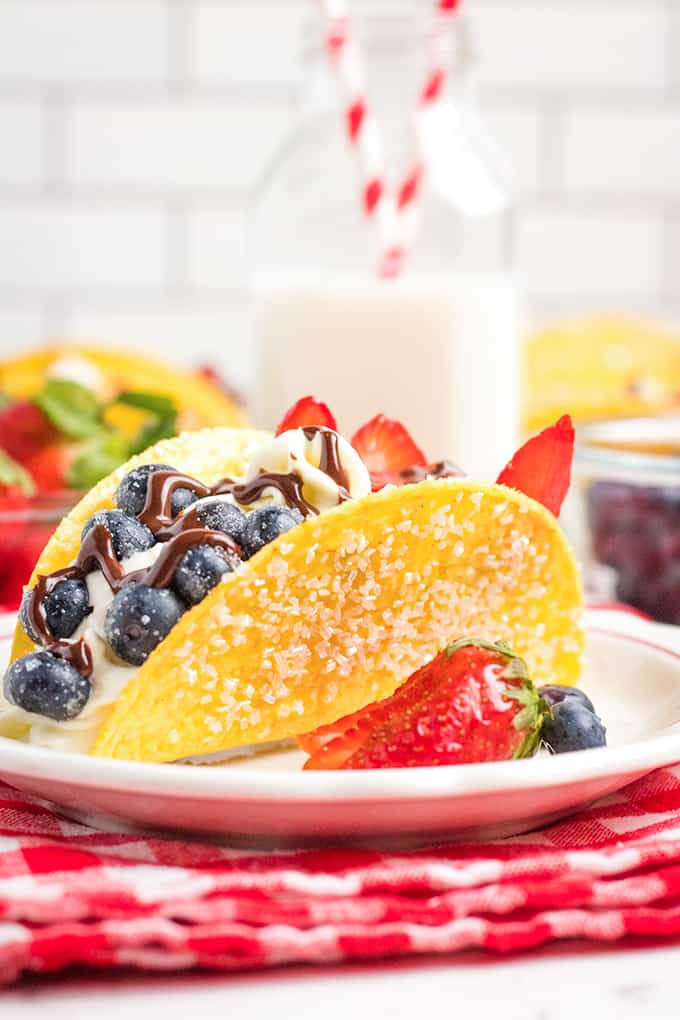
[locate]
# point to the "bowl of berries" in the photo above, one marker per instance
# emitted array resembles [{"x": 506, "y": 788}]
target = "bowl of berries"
[{"x": 624, "y": 515}]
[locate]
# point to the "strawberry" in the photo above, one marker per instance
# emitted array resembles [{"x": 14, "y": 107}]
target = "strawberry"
[
  {"x": 307, "y": 411},
  {"x": 24, "y": 430},
  {"x": 13, "y": 497},
  {"x": 474, "y": 702},
  {"x": 387, "y": 450},
  {"x": 49, "y": 467},
  {"x": 542, "y": 467},
  {"x": 14, "y": 504}
]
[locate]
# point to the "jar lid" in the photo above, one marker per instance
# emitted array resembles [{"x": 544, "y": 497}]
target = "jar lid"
[{"x": 644, "y": 450}]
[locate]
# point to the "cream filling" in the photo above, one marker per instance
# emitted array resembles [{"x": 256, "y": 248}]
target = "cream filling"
[
  {"x": 291, "y": 451},
  {"x": 109, "y": 675}
]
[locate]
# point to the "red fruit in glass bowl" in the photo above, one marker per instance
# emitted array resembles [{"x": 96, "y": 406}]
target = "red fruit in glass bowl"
[
  {"x": 49, "y": 466},
  {"x": 25, "y": 430},
  {"x": 26, "y": 524}
]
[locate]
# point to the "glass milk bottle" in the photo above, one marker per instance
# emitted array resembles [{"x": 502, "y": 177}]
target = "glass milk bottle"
[{"x": 437, "y": 346}]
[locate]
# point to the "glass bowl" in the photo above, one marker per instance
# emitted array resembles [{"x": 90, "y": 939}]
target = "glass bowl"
[
  {"x": 623, "y": 514},
  {"x": 24, "y": 531}
]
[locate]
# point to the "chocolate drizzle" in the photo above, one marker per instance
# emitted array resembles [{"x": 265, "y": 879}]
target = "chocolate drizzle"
[
  {"x": 161, "y": 573},
  {"x": 330, "y": 462},
  {"x": 157, "y": 512},
  {"x": 77, "y": 653},
  {"x": 289, "y": 485}
]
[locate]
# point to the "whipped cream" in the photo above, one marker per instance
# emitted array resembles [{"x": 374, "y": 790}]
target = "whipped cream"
[
  {"x": 75, "y": 368},
  {"x": 295, "y": 451},
  {"x": 109, "y": 674}
]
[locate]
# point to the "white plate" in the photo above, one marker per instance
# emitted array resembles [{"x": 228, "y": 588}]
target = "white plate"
[{"x": 267, "y": 802}]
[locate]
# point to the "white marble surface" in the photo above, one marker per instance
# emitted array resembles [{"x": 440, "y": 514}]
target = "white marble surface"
[{"x": 561, "y": 983}]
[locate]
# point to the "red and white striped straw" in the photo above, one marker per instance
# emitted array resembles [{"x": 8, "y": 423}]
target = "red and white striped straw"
[
  {"x": 396, "y": 212},
  {"x": 363, "y": 131}
]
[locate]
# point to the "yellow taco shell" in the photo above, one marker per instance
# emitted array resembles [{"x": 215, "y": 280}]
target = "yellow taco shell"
[
  {"x": 339, "y": 611},
  {"x": 600, "y": 367}
]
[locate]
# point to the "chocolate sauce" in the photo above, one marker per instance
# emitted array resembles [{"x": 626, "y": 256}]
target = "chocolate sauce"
[
  {"x": 330, "y": 462},
  {"x": 442, "y": 469},
  {"x": 289, "y": 485},
  {"x": 161, "y": 573},
  {"x": 77, "y": 653},
  {"x": 97, "y": 551},
  {"x": 157, "y": 512}
]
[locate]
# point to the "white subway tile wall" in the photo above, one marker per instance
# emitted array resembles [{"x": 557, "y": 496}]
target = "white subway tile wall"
[{"x": 130, "y": 131}]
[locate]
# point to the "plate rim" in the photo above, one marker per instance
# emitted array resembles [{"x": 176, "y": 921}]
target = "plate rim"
[{"x": 295, "y": 787}]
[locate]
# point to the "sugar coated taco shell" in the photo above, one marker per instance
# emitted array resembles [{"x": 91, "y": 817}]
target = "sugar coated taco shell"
[{"x": 337, "y": 612}]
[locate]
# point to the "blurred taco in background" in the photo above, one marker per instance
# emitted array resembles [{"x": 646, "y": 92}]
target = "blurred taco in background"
[
  {"x": 71, "y": 414},
  {"x": 600, "y": 367}
]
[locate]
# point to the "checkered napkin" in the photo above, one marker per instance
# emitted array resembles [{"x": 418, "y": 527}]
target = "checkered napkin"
[{"x": 72, "y": 895}]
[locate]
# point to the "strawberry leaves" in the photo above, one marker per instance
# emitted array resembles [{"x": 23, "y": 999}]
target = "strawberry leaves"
[
  {"x": 13, "y": 475},
  {"x": 73, "y": 409},
  {"x": 77, "y": 414}
]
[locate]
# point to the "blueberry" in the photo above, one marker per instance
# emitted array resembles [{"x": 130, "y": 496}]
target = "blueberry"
[
  {"x": 636, "y": 530},
  {"x": 66, "y": 607},
  {"x": 199, "y": 570},
  {"x": 555, "y": 693},
  {"x": 225, "y": 517},
  {"x": 573, "y": 728},
  {"x": 41, "y": 683},
  {"x": 131, "y": 493},
  {"x": 128, "y": 535},
  {"x": 138, "y": 619},
  {"x": 25, "y": 622},
  {"x": 266, "y": 524},
  {"x": 181, "y": 499}
]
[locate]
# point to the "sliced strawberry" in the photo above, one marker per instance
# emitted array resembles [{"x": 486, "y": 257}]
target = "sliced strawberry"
[
  {"x": 314, "y": 741},
  {"x": 473, "y": 703},
  {"x": 24, "y": 430},
  {"x": 306, "y": 412},
  {"x": 542, "y": 467},
  {"x": 387, "y": 449}
]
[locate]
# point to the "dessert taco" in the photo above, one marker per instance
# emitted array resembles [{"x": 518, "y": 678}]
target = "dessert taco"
[{"x": 231, "y": 588}]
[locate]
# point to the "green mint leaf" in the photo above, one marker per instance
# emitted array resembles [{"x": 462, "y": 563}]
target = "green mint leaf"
[
  {"x": 71, "y": 408},
  {"x": 156, "y": 403},
  {"x": 152, "y": 432},
  {"x": 99, "y": 458},
  {"x": 12, "y": 473}
]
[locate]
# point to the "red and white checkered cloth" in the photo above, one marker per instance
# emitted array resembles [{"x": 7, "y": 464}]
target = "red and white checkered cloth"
[{"x": 72, "y": 895}]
